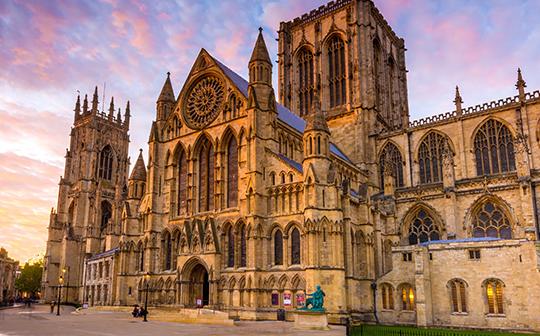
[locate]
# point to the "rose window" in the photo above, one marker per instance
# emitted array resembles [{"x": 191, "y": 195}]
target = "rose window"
[{"x": 204, "y": 102}]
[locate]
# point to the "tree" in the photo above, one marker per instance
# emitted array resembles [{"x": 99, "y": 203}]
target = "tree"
[{"x": 30, "y": 279}]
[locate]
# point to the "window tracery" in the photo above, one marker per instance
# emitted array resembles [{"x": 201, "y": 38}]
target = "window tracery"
[
  {"x": 305, "y": 80},
  {"x": 457, "y": 294},
  {"x": 391, "y": 155},
  {"x": 423, "y": 228},
  {"x": 490, "y": 220},
  {"x": 232, "y": 173},
  {"x": 494, "y": 296},
  {"x": 182, "y": 183},
  {"x": 105, "y": 163},
  {"x": 295, "y": 247},
  {"x": 206, "y": 176},
  {"x": 204, "y": 102},
  {"x": 336, "y": 71},
  {"x": 430, "y": 156},
  {"x": 494, "y": 149}
]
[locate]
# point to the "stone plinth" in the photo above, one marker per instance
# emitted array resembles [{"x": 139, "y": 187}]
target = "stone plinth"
[{"x": 308, "y": 319}]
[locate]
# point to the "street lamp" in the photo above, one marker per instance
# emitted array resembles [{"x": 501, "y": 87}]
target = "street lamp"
[
  {"x": 147, "y": 278},
  {"x": 60, "y": 282},
  {"x": 64, "y": 270}
]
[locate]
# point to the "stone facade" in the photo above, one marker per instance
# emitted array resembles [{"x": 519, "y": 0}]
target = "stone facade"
[
  {"x": 8, "y": 274},
  {"x": 246, "y": 204}
]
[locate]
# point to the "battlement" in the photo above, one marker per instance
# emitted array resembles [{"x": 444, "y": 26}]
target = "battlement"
[
  {"x": 475, "y": 109},
  {"x": 318, "y": 12},
  {"x": 113, "y": 116}
]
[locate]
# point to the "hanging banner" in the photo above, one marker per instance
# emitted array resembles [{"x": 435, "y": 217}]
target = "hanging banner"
[
  {"x": 287, "y": 299},
  {"x": 300, "y": 300}
]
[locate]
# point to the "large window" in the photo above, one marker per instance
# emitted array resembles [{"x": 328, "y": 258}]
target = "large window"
[
  {"x": 295, "y": 247},
  {"x": 494, "y": 149},
  {"x": 305, "y": 80},
  {"x": 167, "y": 251},
  {"x": 206, "y": 176},
  {"x": 430, "y": 158},
  {"x": 278, "y": 248},
  {"x": 457, "y": 294},
  {"x": 141, "y": 257},
  {"x": 232, "y": 173},
  {"x": 391, "y": 155},
  {"x": 377, "y": 66},
  {"x": 336, "y": 71},
  {"x": 182, "y": 183},
  {"x": 387, "y": 296},
  {"x": 407, "y": 297},
  {"x": 489, "y": 220},
  {"x": 243, "y": 246},
  {"x": 423, "y": 228},
  {"x": 494, "y": 296},
  {"x": 105, "y": 163}
]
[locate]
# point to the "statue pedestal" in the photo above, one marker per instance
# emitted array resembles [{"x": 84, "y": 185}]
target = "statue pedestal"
[{"x": 309, "y": 319}]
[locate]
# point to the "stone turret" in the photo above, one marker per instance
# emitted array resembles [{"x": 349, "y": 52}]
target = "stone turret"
[
  {"x": 137, "y": 179},
  {"x": 260, "y": 92},
  {"x": 520, "y": 86},
  {"x": 165, "y": 102},
  {"x": 458, "y": 101}
]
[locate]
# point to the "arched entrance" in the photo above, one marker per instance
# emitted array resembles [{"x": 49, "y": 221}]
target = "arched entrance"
[{"x": 198, "y": 286}]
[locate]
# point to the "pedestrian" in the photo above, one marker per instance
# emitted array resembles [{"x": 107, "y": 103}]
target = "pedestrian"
[
  {"x": 136, "y": 311},
  {"x": 52, "y": 306}
]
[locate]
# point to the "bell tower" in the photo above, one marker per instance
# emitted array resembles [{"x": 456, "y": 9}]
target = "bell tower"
[{"x": 87, "y": 217}]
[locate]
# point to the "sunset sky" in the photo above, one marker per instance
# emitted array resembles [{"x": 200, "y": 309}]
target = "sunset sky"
[{"x": 50, "y": 49}]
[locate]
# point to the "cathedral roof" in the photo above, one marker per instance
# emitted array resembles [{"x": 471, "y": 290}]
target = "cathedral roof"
[
  {"x": 284, "y": 114},
  {"x": 139, "y": 171},
  {"x": 260, "y": 52},
  {"x": 167, "y": 93}
]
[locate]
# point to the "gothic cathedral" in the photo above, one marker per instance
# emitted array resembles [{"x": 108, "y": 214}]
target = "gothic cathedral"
[{"x": 245, "y": 204}]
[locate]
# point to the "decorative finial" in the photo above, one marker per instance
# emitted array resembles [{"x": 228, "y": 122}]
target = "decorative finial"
[
  {"x": 458, "y": 101},
  {"x": 168, "y": 74},
  {"x": 520, "y": 85},
  {"x": 140, "y": 150},
  {"x": 260, "y": 30}
]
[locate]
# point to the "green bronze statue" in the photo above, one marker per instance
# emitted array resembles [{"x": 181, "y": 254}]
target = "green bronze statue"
[{"x": 316, "y": 301}]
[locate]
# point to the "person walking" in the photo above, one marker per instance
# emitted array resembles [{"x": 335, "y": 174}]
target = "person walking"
[{"x": 52, "y": 306}]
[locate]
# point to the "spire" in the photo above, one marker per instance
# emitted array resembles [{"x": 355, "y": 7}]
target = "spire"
[
  {"x": 85, "y": 104},
  {"x": 167, "y": 93},
  {"x": 458, "y": 101},
  {"x": 111, "y": 109},
  {"x": 139, "y": 171},
  {"x": 260, "y": 52},
  {"x": 520, "y": 85},
  {"x": 77, "y": 109},
  {"x": 119, "y": 117},
  {"x": 95, "y": 101},
  {"x": 127, "y": 115},
  {"x": 316, "y": 119}
]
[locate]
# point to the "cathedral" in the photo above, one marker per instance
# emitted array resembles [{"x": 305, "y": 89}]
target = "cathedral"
[{"x": 252, "y": 196}]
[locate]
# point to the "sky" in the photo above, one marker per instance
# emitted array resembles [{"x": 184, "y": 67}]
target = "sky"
[{"x": 53, "y": 49}]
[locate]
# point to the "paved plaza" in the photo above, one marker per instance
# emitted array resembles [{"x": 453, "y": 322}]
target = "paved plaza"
[{"x": 38, "y": 321}]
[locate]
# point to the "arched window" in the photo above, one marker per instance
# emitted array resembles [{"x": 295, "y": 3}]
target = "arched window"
[
  {"x": 407, "y": 297},
  {"x": 232, "y": 173},
  {"x": 494, "y": 296},
  {"x": 489, "y": 220},
  {"x": 305, "y": 80},
  {"x": 295, "y": 247},
  {"x": 230, "y": 247},
  {"x": 243, "y": 246},
  {"x": 233, "y": 106},
  {"x": 430, "y": 158},
  {"x": 336, "y": 71},
  {"x": 273, "y": 178},
  {"x": 494, "y": 149},
  {"x": 377, "y": 66},
  {"x": 182, "y": 183},
  {"x": 141, "y": 258},
  {"x": 423, "y": 228},
  {"x": 391, "y": 155},
  {"x": 206, "y": 176},
  {"x": 167, "y": 251},
  {"x": 387, "y": 292},
  {"x": 105, "y": 163},
  {"x": 106, "y": 214},
  {"x": 278, "y": 248},
  {"x": 457, "y": 296}
]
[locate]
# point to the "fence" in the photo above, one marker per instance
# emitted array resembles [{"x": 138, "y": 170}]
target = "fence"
[{"x": 377, "y": 330}]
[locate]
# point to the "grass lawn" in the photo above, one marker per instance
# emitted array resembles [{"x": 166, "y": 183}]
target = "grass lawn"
[{"x": 374, "y": 330}]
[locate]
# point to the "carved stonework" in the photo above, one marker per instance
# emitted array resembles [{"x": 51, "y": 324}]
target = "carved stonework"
[{"x": 204, "y": 102}]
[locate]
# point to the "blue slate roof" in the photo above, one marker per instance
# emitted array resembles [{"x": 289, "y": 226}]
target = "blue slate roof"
[
  {"x": 284, "y": 114},
  {"x": 464, "y": 240},
  {"x": 296, "y": 165}
]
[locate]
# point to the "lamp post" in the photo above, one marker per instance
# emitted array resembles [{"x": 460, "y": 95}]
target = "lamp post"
[
  {"x": 147, "y": 278},
  {"x": 64, "y": 270},
  {"x": 60, "y": 282}
]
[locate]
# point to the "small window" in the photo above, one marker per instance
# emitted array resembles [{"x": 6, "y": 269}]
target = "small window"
[
  {"x": 474, "y": 254},
  {"x": 407, "y": 297},
  {"x": 407, "y": 256}
]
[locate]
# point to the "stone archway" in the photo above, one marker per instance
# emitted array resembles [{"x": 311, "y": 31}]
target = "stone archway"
[{"x": 199, "y": 286}]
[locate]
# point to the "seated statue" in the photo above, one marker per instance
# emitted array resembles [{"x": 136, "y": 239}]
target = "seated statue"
[{"x": 316, "y": 300}]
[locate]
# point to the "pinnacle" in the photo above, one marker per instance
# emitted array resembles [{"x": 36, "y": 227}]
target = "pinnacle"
[
  {"x": 260, "y": 52},
  {"x": 167, "y": 93},
  {"x": 139, "y": 171},
  {"x": 316, "y": 119}
]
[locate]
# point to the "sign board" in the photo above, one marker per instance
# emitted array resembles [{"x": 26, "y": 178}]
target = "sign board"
[
  {"x": 275, "y": 299},
  {"x": 300, "y": 300},
  {"x": 85, "y": 305},
  {"x": 287, "y": 299},
  {"x": 199, "y": 302}
]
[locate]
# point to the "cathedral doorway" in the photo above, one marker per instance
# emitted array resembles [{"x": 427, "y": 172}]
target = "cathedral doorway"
[{"x": 199, "y": 286}]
